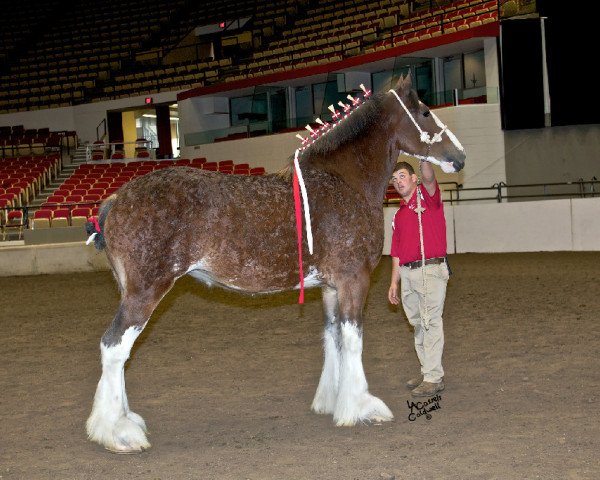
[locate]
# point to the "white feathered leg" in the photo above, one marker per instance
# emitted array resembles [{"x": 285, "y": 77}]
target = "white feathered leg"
[
  {"x": 354, "y": 402},
  {"x": 326, "y": 395},
  {"x": 327, "y": 391},
  {"x": 111, "y": 423}
]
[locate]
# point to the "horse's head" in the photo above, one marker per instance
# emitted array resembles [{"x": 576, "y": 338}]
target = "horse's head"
[{"x": 424, "y": 135}]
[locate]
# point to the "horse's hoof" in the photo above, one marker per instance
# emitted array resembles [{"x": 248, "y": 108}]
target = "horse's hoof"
[
  {"x": 381, "y": 419},
  {"x": 124, "y": 452},
  {"x": 366, "y": 409}
]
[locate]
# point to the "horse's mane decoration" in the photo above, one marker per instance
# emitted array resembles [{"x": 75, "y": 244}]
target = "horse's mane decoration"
[{"x": 337, "y": 117}]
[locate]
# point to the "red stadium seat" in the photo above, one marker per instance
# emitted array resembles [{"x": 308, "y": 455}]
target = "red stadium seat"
[
  {"x": 74, "y": 198},
  {"x": 60, "y": 218},
  {"x": 42, "y": 219},
  {"x": 91, "y": 198},
  {"x": 80, "y": 215},
  {"x": 14, "y": 221}
]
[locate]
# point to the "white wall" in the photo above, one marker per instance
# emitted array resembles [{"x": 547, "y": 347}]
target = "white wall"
[
  {"x": 585, "y": 221},
  {"x": 54, "y": 118},
  {"x": 272, "y": 152},
  {"x": 513, "y": 227},
  {"x": 478, "y": 128},
  {"x": 546, "y": 225}
]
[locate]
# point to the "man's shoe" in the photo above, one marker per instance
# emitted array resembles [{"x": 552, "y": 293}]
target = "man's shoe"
[
  {"x": 428, "y": 389},
  {"x": 414, "y": 382}
]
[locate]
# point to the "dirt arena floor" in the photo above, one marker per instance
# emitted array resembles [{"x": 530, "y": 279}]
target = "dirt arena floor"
[{"x": 225, "y": 382}]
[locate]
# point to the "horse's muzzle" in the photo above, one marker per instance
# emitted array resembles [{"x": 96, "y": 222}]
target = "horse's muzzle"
[
  {"x": 458, "y": 161},
  {"x": 458, "y": 164}
]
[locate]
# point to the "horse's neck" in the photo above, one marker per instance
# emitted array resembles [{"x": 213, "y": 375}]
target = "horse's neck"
[{"x": 365, "y": 165}]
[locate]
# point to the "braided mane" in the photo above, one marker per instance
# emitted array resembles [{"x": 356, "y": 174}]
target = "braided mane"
[{"x": 348, "y": 129}]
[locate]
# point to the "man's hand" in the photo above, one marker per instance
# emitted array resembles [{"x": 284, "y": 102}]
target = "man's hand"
[
  {"x": 393, "y": 291},
  {"x": 393, "y": 294}
]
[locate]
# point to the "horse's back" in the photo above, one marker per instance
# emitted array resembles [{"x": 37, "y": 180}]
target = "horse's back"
[{"x": 235, "y": 230}]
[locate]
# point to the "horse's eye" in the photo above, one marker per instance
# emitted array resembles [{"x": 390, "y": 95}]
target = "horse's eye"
[{"x": 426, "y": 113}]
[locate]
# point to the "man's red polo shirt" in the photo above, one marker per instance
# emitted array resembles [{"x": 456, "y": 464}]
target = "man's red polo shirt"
[{"x": 405, "y": 237}]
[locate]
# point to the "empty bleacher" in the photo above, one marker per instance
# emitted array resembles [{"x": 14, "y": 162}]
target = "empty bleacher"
[
  {"x": 79, "y": 195},
  {"x": 93, "y": 51}
]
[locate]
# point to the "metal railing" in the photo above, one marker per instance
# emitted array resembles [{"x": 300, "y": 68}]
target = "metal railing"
[
  {"x": 502, "y": 191},
  {"x": 109, "y": 148},
  {"x": 9, "y": 230}
]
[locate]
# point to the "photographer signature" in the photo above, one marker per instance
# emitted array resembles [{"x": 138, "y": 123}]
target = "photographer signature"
[{"x": 425, "y": 408}]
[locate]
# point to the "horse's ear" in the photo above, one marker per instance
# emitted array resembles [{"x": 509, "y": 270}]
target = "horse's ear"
[{"x": 404, "y": 84}]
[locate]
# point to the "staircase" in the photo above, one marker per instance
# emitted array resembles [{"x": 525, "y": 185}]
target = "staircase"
[{"x": 67, "y": 170}]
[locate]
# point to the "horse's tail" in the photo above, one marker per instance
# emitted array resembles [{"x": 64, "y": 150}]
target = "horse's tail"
[{"x": 96, "y": 226}]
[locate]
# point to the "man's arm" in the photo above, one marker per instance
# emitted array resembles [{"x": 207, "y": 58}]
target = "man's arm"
[{"x": 427, "y": 176}]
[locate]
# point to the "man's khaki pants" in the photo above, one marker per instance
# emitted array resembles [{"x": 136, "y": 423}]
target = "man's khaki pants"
[{"x": 417, "y": 299}]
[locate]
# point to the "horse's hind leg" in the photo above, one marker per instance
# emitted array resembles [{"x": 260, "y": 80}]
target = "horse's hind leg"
[
  {"x": 327, "y": 391},
  {"x": 111, "y": 423}
]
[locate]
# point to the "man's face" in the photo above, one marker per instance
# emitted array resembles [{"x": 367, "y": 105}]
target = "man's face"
[{"x": 404, "y": 183}]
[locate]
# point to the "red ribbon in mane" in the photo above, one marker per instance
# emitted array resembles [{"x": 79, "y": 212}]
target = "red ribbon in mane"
[{"x": 299, "y": 230}]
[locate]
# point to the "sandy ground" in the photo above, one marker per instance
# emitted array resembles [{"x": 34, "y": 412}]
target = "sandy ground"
[{"x": 225, "y": 382}]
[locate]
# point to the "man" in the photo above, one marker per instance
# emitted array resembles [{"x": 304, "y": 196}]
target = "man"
[{"x": 423, "y": 288}]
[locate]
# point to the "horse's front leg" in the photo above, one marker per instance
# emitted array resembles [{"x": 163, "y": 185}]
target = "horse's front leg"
[
  {"x": 354, "y": 402},
  {"x": 326, "y": 396}
]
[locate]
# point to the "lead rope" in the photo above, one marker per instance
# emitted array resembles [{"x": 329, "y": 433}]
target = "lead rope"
[{"x": 419, "y": 210}]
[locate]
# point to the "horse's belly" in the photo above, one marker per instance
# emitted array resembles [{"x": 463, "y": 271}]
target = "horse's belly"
[{"x": 255, "y": 282}]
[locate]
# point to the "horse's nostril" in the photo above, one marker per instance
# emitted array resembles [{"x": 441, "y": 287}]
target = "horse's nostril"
[{"x": 458, "y": 164}]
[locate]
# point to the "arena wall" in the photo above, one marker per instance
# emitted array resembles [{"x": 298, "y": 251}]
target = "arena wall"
[
  {"x": 70, "y": 257},
  {"x": 537, "y": 226}
]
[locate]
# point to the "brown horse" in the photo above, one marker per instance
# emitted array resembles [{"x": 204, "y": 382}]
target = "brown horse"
[{"x": 239, "y": 232}]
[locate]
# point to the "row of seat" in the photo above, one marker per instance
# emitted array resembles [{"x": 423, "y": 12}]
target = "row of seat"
[
  {"x": 14, "y": 220},
  {"x": 90, "y": 184},
  {"x": 22, "y": 178},
  {"x": 28, "y": 174},
  {"x": 427, "y": 33},
  {"x": 307, "y": 46},
  {"x": 353, "y": 27},
  {"x": 50, "y": 73},
  {"x": 62, "y": 217}
]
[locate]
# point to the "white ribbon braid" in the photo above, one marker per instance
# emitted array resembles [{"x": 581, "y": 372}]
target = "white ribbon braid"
[{"x": 309, "y": 237}]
